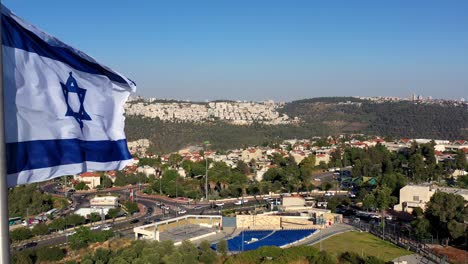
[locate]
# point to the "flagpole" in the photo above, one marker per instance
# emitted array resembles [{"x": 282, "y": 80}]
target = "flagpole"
[{"x": 4, "y": 224}]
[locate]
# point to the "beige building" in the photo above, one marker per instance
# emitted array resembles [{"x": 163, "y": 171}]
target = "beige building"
[
  {"x": 91, "y": 179},
  {"x": 104, "y": 201},
  {"x": 412, "y": 196}
]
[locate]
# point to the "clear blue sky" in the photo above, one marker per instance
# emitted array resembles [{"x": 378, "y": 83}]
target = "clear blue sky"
[{"x": 268, "y": 49}]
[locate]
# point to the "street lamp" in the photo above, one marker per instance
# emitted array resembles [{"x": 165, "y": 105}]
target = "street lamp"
[{"x": 206, "y": 143}]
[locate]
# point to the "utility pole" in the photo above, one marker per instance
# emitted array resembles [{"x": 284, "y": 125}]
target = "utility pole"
[
  {"x": 206, "y": 143},
  {"x": 160, "y": 180}
]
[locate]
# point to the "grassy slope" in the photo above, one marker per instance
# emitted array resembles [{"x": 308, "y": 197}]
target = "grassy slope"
[{"x": 362, "y": 243}]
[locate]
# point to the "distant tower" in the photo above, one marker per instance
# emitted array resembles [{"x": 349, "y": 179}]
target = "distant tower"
[{"x": 413, "y": 96}]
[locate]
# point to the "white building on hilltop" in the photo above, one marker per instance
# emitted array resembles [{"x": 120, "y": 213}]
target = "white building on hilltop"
[{"x": 412, "y": 196}]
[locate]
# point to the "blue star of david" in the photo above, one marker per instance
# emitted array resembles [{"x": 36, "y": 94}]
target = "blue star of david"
[{"x": 72, "y": 87}]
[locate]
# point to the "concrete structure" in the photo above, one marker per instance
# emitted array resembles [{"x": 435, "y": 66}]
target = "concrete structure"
[
  {"x": 86, "y": 212},
  {"x": 104, "y": 201},
  {"x": 274, "y": 221},
  {"x": 207, "y": 224},
  {"x": 412, "y": 196},
  {"x": 292, "y": 201}
]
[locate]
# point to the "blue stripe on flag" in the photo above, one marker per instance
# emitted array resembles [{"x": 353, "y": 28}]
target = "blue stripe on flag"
[
  {"x": 39, "y": 154},
  {"x": 16, "y": 36}
]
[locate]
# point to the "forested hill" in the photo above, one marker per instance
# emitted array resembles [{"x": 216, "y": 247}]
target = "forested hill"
[
  {"x": 398, "y": 119},
  {"x": 319, "y": 117}
]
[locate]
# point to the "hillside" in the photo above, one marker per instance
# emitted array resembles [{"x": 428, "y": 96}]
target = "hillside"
[
  {"x": 397, "y": 119},
  {"x": 320, "y": 117}
]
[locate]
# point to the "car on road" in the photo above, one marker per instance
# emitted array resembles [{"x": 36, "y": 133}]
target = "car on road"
[
  {"x": 147, "y": 222},
  {"x": 241, "y": 202},
  {"x": 182, "y": 211},
  {"x": 219, "y": 204},
  {"x": 134, "y": 221},
  {"x": 107, "y": 227},
  {"x": 329, "y": 194},
  {"x": 317, "y": 179},
  {"x": 28, "y": 245},
  {"x": 95, "y": 227},
  {"x": 71, "y": 233},
  {"x": 351, "y": 195}
]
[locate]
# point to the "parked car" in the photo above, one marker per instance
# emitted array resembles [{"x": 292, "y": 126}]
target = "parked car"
[
  {"x": 134, "y": 221},
  {"x": 182, "y": 211},
  {"x": 95, "y": 227},
  {"x": 107, "y": 227},
  {"x": 28, "y": 245},
  {"x": 219, "y": 204}
]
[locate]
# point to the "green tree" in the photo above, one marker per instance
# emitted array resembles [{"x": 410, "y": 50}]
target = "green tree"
[
  {"x": 40, "y": 229},
  {"x": 94, "y": 217},
  {"x": 102, "y": 255},
  {"x": 58, "y": 224},
  {"x": 243, "y": 167},
  {"x": 207, "y": 255},
  {"x": 326, "y": 186},
  {"x": 28, "y": 198},
  {"x": 168, "y": 182},
  {"x": 222, "y": 248},
  {"x": 106, "y": 182},
  {"x": 189, "y": 253},
  {"x": 21, "y": 233},
  {"x": 369, "y": 201},
  {"x": 81, "y": 186},
  {"x": 113, "y": 213},
  {"x": 421, "y": 227},
  {"x": 460, "y": 160},
  {"x": 120, "y": 179},
  {"x": 445, "y": 211},
  {"x": 75, "y": 220},
  {"x": 174, "y": 159},
  {"x": 307, "y": 167},
  {"x": 50, "y": 254},
  {"x": 81, "y": 238},
  {"x": 131, "y": 207}
]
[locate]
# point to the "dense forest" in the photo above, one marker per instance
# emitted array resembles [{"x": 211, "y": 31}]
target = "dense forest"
[
  {"x": 398, "y": 119},
  {"x": 320, "y": 117}
]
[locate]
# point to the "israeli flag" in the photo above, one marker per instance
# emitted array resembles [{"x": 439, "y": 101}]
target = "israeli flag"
[{"x": 63, "y": 110}]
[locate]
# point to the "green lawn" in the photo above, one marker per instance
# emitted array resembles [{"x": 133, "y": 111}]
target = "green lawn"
[{"x": 362, "y": 243}]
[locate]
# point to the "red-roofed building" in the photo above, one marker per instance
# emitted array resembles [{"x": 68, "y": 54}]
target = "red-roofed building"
[{"x": 91, "y": 179}]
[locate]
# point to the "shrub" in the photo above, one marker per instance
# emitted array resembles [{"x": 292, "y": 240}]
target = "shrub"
[{"x": 50, "y": 254}]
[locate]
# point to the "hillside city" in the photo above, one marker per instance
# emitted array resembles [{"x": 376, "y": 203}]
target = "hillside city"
[
  {"x": 299, "y": 186},
  {"x": 243, "y": 112}
]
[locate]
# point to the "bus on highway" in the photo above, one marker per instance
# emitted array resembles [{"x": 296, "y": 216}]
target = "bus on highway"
[{"x": 14, "y": 221}]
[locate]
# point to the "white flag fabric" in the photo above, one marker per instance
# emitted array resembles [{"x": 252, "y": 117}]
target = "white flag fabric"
[{"x": 63, "y": 110}]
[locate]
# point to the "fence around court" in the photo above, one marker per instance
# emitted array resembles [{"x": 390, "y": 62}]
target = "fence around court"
[{"x": 395, "y": 235}]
